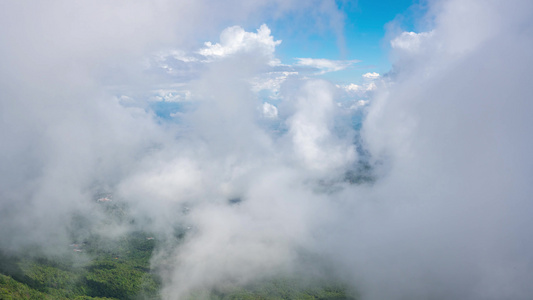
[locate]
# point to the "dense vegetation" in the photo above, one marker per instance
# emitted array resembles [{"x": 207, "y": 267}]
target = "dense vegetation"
[
  {"x": 98, "y": 267},
  {"x": 120, "y": 272},
  {"x": 279, "y": 289}
]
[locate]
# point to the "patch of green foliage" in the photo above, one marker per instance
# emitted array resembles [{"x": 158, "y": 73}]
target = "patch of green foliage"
[
  {"x": 92, "y": 267},
  {"x": 117, "y": 270},
  {"x": 11, "y": 289},
  {"x": 279, "y": 289},
  {"x": 99, "y": 267},
  {"x": 120, "y": 280}
]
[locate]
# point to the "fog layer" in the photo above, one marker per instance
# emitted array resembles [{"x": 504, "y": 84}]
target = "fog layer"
[{"x": 261, "y": 187}]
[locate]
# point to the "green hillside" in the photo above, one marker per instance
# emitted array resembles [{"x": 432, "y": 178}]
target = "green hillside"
[{"x": 100, "y": 267}]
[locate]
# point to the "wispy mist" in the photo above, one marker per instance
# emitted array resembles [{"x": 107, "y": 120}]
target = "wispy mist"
[{"x": 246, "y": 168}]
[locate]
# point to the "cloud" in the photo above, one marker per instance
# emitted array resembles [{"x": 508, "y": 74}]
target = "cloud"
[
  {"x": 311, "y": 130},
  {"x": 325, "y": 65},
  {"x": 75, "y": 93},
  {"x": 360, "y": 88},
  {"x": 355, "y": 96},
  {"x": 450, "y": 140},
  {"x": 410, "y": 41},
  {"x": 270, "y": 111},
  {"x": 171, "y": 95},
  {"x": 371, "y": 75},
  {"x": 235, "y": 39},
  {"x": 271, "y": 81},
  {"x": 362, "y": 102},
  {"x": 234, "y": 42},
  {"x": 447, "y": 142}
]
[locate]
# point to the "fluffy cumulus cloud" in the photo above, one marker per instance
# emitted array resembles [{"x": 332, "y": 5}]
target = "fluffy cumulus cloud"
[
  {"x": 360, "y": 89},
  {"x": 176, "y": 64},
  {"x": 442, "y": 211},
  {"x": 356, "y": 96},
  {"x": 371, "y": 75},
  {"x": 235, "y": 39}
]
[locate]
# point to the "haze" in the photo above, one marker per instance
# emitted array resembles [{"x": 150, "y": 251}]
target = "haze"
[{"x": 415, "y": 183}]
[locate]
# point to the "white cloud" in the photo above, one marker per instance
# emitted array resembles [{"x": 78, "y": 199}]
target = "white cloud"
[
  {"x": 360, "y": 103},
  {"x": 371, "y": 75},
  {"x": 352, "y": 87},
  {"x": 176, "y": 54},
  {"x": 365, "y": 90},
  {"x": 171, "y": 95},
  {"x": 312, "y": 133},
  {"x": 325, "y": 65},
  {"x": 449, "y": 215},
  {"x": 356, "y": 88},
  {"x": 270, "y": 111},
  {"x": 452, "y": 136},
  {"x": 410, "y": 41},
  {"x": 70, "y": 135},
  {"x": 235, "y": 39},
  {"x": 271, "y": 81}
]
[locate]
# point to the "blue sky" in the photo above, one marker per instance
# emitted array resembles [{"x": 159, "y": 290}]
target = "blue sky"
[
  {"x": 364, "y": 34},
  {"x": 339, "y": 42},
  {"x": 351, "y": 34}
]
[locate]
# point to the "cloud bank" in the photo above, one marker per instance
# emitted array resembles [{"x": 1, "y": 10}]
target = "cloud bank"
[{"x": 450, "y": 134}]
